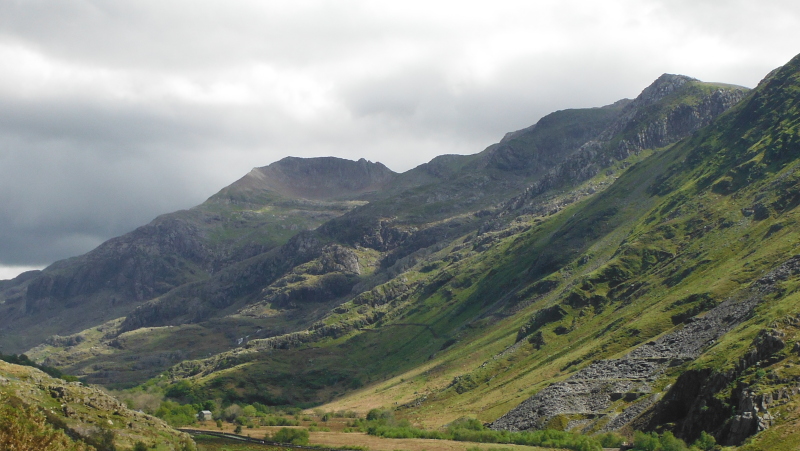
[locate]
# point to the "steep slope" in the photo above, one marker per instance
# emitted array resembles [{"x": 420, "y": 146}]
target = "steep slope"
[
  {"x": 387, "y": 283},
  {"x": 668, "y": 300},
  {"x": 696, "y": 243},
  {"x": 258, "y": 213},
  {"x": 419, "y": 213}
]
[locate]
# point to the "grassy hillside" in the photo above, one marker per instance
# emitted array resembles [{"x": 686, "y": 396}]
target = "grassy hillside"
[
  {"x": 40, "y": 412},
  {"x": 474, "y": 283},
  {"x": 476, "y": 327}
]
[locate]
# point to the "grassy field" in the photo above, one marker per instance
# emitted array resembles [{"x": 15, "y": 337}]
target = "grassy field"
[{"x": 336, "y": 438}]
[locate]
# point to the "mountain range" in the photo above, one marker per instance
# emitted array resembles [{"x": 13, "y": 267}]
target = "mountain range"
[{"x": 627, "y": 267}]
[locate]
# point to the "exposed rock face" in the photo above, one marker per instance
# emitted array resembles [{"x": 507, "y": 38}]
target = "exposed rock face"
[
  {"x": 197, "y": 302},
  {"x": 592, "y": 391},
  {"x": 131, "y": 266},
  {"x": 643, "y": 124},
  {"x": 693, "y": 406},
  {"x": 185, "y": 247}
]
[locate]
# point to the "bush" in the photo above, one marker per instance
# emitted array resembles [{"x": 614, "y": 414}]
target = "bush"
[
  {"x": 139, "y": 446},
  {"x": 466, "y": 423},
  {"x": 671, "y": 443},
  {"x": 182, "y": 391},
  {"x": 645, "y": 442},
  {"x": 705, "y": 442},
  {"x": 610, "y": 440},
  {"x": 379, "y": 414},
  {"x": 293, "y": 436},
  {"x": 102, "y": 439},
  {"x": 175, "y": 414},
  {"x": 279, "y": 421},
  {"x": 23, "y": 428},
  {"x": 249, "y": 411}
]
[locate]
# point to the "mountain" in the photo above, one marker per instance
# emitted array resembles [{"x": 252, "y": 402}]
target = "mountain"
[
  {"x": 258, "y": 213},
  {"x": 296, "y": 287},
  {"x": 316, "y": 179},
  {"x": 607, "y": 269}
]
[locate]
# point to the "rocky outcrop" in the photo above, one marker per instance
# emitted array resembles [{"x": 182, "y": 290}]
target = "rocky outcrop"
[
  {"x": 84, "y": 410},
  {"x": 693, "y": 404},
  {"x": 592, "y": 391},
  {"x": 645, "y": 123},
  {"x": 197, "y": 302}
]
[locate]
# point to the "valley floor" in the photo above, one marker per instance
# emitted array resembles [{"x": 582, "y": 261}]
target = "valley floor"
[{"x": 337, "y": 438}]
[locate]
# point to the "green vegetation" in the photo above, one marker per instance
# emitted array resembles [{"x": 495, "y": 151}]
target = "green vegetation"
[
  {"x": 445, "y": 299},
  {"x": 23, "y": 360},
  {"x": 177, "y": 415},
  {"x": 289, "y": 435},
  {"x": 668, "y": 442},
  {"x": 23, "y": 428},
  {"x": 383, "y": 424}
]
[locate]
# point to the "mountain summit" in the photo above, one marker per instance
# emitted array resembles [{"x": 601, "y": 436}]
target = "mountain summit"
[{"x": 325, "y": 178}]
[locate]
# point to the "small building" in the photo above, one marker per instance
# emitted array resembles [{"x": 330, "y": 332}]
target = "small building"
[{"x": 205, "y": 415}]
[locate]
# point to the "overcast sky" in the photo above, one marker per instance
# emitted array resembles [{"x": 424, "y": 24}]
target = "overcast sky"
[{"x": 113, "y": 112}]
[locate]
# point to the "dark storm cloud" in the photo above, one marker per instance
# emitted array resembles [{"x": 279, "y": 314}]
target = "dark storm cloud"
[{"x": 112, "y": 112}]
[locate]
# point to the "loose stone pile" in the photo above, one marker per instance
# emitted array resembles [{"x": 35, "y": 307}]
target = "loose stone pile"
[{"x": 592, "y": 392}]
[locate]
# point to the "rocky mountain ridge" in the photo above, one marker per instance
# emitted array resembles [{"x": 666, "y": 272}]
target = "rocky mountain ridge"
[{"x": 457, "y": 292}]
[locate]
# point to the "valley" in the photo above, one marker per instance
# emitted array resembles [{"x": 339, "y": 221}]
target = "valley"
[{"x": 611, "y": 270}]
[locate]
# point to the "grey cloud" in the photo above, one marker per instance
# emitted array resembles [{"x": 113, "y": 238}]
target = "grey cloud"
[
  {"x": 190, "y": 34},
  {"x": 82, "y": 165},
  {"x": 422, "y": 100}
]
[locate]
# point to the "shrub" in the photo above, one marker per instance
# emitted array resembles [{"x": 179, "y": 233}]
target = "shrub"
[
  {"x": 102, "y": 439},
  {"x": 705, "y": 442},
  {"x": 645, "y": 442},
  {"x": 610, "y": 440},
  {"x": 175, "y": 414},
  {"x": 139, "y": 446},
  {"x": 293, "y": 436},
  {"x": 25, "y": 429},
  {"x": 280, "y": 421},
  {"x": 379, "y": 414},
  {"x": 671, "y": 443},
  {"x": 466, "y": 423},
  {"x": 232, "y": 412}
]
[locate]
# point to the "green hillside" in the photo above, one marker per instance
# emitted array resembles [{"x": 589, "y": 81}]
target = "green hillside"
[
  {"x": 475, "y": 328},
  {"x": 43, "y": 413},
  {"x": 626, "y": 268}
]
